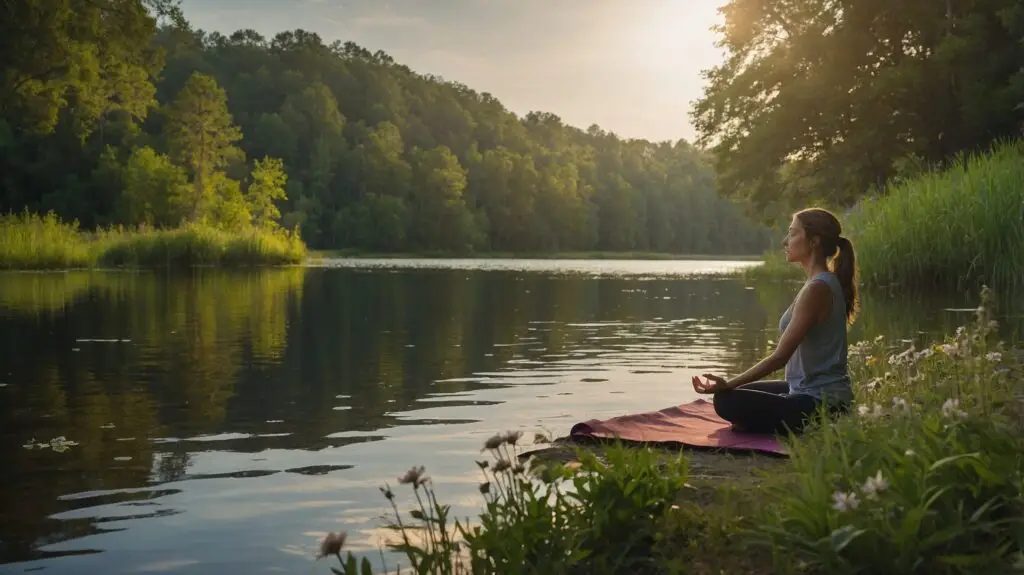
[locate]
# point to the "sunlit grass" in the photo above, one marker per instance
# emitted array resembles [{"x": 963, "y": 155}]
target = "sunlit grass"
[
  {"x": 30, "y": 241},
  {"x": 959, "y": 227}
]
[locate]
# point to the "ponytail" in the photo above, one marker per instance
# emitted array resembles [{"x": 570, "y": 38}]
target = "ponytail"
[{"x": 844, "y": 265}]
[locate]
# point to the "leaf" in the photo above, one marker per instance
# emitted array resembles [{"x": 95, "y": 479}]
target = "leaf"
[{"x": 843, "y": 536}]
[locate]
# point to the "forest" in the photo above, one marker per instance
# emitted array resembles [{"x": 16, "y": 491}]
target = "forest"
[{"x": 119, "y": 112}]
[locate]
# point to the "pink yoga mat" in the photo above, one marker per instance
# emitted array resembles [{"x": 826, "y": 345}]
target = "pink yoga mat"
[{"x": 692, "y": 424}]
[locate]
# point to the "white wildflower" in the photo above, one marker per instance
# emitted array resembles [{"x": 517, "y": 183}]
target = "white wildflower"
[
  {"x": 926, "y": 352},
  {"x": 842, "y": 501},
  {"x": 878, "y": 339},
  {"x": 910, "y": 453},
  {"x": 873, "y": 384},
  {"x": 994, "y": 356},
  {"x": 951, "y": 408},
  {"x": 950, "y": 349},
  {"x": 900, "y": 404},
  {"x": 874, "y": 485}
]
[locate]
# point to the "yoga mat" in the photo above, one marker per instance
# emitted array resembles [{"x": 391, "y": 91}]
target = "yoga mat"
[{"x": 692, "y": 425}]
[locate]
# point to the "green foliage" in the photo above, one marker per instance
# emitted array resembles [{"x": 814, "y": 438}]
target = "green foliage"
[
  {"x": 198, "y": 244},
  {"x": 200, "y": 136},
  {"x": 29, "y": 241},
  {"x": 156, "y": 192},
  {"x": 42, "y": 242},
  {"x": 819, "y": 101},
  {"x": 954, "y": 228},
  {"x": 927, "y": 477},
  {"x": 89, "y": 58},
  {"x": 599, "y": 517},
  {"x": 268, "y": 181}
]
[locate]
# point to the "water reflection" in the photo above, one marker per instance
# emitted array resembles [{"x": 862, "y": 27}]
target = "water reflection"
[{"x": 242, "y": 411}]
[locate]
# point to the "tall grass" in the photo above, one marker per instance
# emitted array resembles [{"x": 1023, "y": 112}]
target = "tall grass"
[
  {"x": 959, "y": 227},
  {"x": 30, "y": 241},
  {"x": 196, "y": 245}
]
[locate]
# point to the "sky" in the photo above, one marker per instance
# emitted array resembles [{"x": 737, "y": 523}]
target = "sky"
[{"x": 630, "y": 66}]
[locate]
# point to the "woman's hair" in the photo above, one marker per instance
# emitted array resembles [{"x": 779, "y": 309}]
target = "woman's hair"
[{"x": 838, "y": 251}]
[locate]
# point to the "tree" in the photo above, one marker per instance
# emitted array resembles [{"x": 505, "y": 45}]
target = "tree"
[
  {"x": 155, "y": 192},
  {"x": 268, "y": 181},
  {"x": 819, "y": 100},
  {"x": 200, "y": 135}
]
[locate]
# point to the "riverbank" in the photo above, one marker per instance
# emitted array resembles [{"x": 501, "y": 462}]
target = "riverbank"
[
  {"x": 589, "y": 255},
  {"x": 33, "y": 242},
  {"x": 925, "y": 476}
]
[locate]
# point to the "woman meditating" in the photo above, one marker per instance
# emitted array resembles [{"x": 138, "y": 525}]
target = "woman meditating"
[{"x": 813, "y": 344}]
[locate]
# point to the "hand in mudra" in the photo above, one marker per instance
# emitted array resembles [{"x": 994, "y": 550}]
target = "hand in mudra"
[{"x": 712, "y": 384}]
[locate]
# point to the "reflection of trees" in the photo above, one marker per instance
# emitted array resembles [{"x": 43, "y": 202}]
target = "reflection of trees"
[{"x": 188, "y": 338}]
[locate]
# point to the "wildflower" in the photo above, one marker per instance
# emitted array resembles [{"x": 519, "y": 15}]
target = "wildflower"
[
  {"x": 511, "y": 437},
  {"x": 873, "y": 384},
  {"x": 925, "y": 353},
  {"x": 951, "y": 408},
  {"x": 502, "y": 465},
  {"x": 908, "y": 356},
  {"x": 332, "y": 544},
  {"x": 482, "y": 464},
  {"x": 413, "y": 476},
  {"x": 494, "y": 441},
  {"x": 899, "y": 404},
  {"x": 879, "y": 338},
  {"x": 390, "y": 495},
  {"x": 910, "y": 453},
  {"x": 994, "y": 356},
  {"x": 842, "y": 501},
  {"x": 485, "y": 488},
  {"x": 874, "y": 485},
  {"x": 871, "y": 360},
  {"x": 873, "y": 411},
  {"x": 949, "y": 349}
]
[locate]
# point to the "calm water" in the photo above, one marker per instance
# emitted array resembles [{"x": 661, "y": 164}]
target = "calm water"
[{"x": 225, "y": 421}]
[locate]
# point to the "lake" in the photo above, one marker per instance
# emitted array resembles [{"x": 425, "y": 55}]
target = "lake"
[{"x": 225, "y": 421}]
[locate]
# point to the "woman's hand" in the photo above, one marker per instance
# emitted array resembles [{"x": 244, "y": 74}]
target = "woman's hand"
[{"x": 713, "y": 384}]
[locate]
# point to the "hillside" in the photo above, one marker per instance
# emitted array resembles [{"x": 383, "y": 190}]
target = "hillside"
[{"x": 374, "y": 155}]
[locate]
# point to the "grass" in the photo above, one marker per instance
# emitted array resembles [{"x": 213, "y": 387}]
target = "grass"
[
  {"x": 927, "y": 476},
  {"x": 952, "y": 229},
  {"x": 44, "y": 242},
  {"x": 961, "y": 226}
]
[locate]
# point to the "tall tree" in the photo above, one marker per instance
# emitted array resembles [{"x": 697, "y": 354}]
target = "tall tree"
[
  {"x": 821, "y": 100},
  {"x": 201, "y": 137}
]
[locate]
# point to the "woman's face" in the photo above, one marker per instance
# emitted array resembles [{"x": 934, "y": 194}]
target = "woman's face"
[{"x": 796, "y": 244}]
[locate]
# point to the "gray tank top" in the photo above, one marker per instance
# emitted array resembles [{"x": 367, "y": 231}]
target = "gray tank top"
[{"x": 818, "y": 367}]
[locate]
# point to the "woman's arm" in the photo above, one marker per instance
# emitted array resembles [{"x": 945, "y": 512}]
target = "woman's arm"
[{"x": 813, "y": 302}]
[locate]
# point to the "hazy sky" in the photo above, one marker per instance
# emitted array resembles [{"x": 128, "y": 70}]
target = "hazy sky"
[{"x": 631, "y": 66}]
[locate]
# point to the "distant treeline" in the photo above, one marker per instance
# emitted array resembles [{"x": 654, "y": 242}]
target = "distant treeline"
[{"x": 118, "y": 112}]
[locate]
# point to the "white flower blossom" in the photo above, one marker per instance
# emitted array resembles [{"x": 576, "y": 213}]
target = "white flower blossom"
[
  {"x": 842, "y": 501},
  {"x": 900, "y": 404},
  {"x": 994, "y": 356},
  {"x": 873, "y": 384},
  {"x": 951, "y": 408},
  {"x": 874, "y": 485}
]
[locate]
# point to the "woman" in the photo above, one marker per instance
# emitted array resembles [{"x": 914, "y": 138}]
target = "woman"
[{"x": 813, "y": 344}]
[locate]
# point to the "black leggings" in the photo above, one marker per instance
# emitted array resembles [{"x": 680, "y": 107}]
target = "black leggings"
[{"x": 768, "y": 407}]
